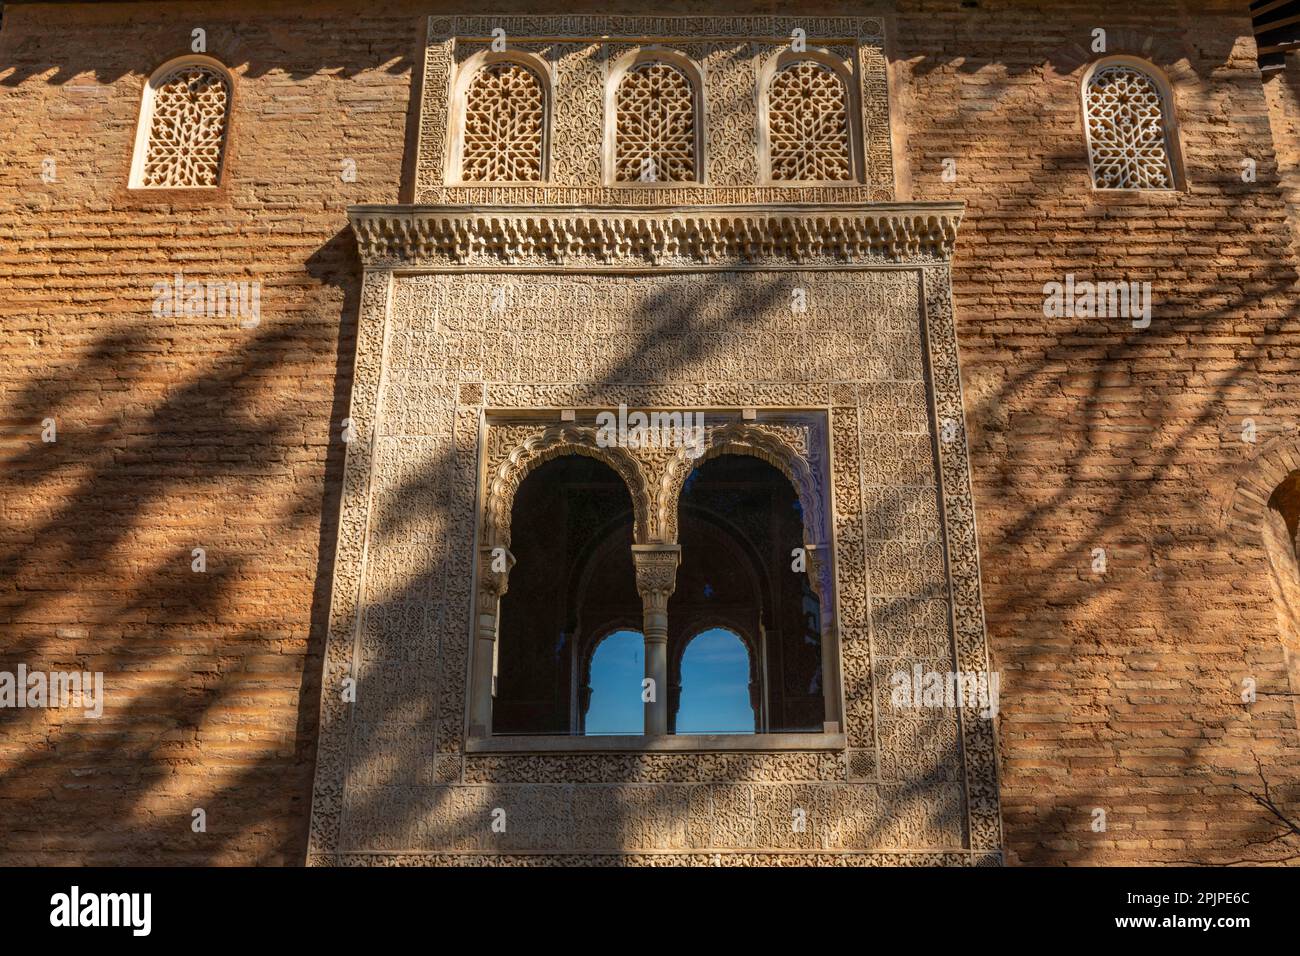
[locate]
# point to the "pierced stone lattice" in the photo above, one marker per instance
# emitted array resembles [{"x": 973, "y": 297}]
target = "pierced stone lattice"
[
  {"x": 504, "y": 112},
  {"x": 729, "y": 50},
  {"x": 808, "y": 125},
  {"x": 656, "y": 125},
  {"x": 187, "y": 129},
  {"x": 1127, "y": 130}
]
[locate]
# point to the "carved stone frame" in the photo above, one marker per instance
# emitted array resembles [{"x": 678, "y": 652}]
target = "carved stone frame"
[{"x": 401, "y": 241}]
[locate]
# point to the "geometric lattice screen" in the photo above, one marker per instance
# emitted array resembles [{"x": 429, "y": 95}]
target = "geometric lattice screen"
[
  {"x": 187, "y": 128},
  {"x": 655, "y": 131},
  {"x": 504, "y": 112},
  {"x": 808, "y": 125},
  {"x": 1128, "y": 134}
]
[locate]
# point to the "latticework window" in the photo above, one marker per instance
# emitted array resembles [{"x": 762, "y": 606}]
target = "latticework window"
[
  {"x": 187, "y": 128},
  {"x": 1128, "y": 133},
  {"x": 505, "y": 109},
  {"x": 655, "y": 125},
  {"x": 808, "y": 125}
]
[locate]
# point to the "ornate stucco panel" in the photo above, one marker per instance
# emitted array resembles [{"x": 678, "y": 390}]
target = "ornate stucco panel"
[
  {"x": 578, "y": 53},
  {"x": 478, "y": 330}
]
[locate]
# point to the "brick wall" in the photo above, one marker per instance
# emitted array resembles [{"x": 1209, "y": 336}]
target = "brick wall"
[
  {"x": 1121, "y": 690},
  {"x": 178, "y": 433},
  {"x": 1282, "y": 89}
]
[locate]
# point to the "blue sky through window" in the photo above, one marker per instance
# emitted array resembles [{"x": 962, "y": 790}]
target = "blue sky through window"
[
  {"x": 617, "y": 669},
  {"x": 715, "y": 686}
]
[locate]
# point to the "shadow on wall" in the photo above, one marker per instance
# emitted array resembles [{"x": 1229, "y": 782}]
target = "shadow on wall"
[
  {"x": 407, "y": 812},
  {"x": 184, "y": 684},
  {"x": 204, "y": 435},
  {"x": 1063, "y": 53},
  {"x": 140, "y": 26},
  {"x": 1106, "y": 436}
]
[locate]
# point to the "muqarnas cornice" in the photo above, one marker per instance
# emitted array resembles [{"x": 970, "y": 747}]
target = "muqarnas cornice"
[{"x": 396, "y": 237}]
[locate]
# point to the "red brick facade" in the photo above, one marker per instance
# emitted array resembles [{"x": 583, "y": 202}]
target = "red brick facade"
[{"x": 1121, "y": 690}]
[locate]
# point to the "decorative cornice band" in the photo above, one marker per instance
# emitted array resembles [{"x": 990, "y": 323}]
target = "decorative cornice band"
[
  {"x": 622, "y": 28},
  {"x": 681, "y": 237}
]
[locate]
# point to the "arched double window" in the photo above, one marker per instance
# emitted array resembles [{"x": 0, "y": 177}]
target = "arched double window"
[
  {"x": 806, "y": 121},
  {"x": 743, "y": 635},
  {"x": 184, "y": 119},
  {"x": 500, "y": 126},
  {"x": 1129, "y": 124},
  {"x": 653, "y": 128}
]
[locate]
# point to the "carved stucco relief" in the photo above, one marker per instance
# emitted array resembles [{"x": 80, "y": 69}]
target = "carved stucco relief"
[
  {"x": 580, "y": 51},
  {"x": 874, "y": 351}
]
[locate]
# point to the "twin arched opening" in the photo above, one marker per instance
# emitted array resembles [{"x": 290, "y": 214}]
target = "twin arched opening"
[{"x": 742, "y": 645}]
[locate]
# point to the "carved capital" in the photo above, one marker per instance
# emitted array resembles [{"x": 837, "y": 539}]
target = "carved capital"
[
  {"x": 656, "y": 574},
  {"x": 819, "y": 573},
  {"x": 657, "y": 578},
  {"x": 495, "y": 564}
]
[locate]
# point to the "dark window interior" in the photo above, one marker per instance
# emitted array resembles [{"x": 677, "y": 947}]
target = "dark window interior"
[{"x": 573, "y": 587}]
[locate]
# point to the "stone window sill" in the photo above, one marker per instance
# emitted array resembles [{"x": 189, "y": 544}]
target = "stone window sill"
[{"x": 694, "y": 743}]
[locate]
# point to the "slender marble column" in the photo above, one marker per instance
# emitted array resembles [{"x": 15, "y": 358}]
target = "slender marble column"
[{"x": 656, "y": 577}]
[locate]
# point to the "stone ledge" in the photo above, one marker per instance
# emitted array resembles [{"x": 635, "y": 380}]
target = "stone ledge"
[
  {"x": 636, "y": 237},
  {"x": 634, "y": 743}
]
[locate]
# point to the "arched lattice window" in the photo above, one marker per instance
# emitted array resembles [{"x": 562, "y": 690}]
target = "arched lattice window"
[
  {"x": 655, "y": 132},
  {"x": 1129, "y": 127},
  {"x": 181, "y": 141},
  {"x": 504, "y": 125},
  {"x": 808, "y": 124}
]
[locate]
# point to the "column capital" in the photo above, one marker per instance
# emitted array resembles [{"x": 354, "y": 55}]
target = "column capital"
[
  {"x": 656, "y": 577},
  {"x": 495, "y": 564},
  {"x": 819, "y": 570},
  {"x": 656, "y": 569}
]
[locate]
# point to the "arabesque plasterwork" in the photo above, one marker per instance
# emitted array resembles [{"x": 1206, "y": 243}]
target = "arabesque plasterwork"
[
  {"x": 580, "y": 51},
  {"x": 472, "y": 392},
  {"x": 812, "y": 326}
]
